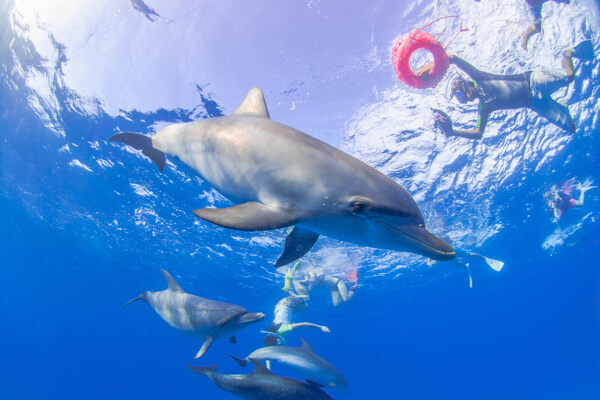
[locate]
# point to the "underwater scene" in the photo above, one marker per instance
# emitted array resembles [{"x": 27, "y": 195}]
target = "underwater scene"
[{"x": 316, "y": 199}]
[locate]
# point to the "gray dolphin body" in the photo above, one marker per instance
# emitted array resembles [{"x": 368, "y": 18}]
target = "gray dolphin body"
[
  {"x": 303, "y": 360},
  {"x": 262, "y": 384},
  {"x": 278, "y": 176},
  {"x": 198, "y": 317}
]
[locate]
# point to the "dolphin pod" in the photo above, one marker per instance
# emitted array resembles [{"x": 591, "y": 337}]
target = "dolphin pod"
[
  {"x": 277, "y": 177},
  {"x": 262, "y": 384},
  {"x": 314, "y": 368},
  {"x": 198, "y": 317}
]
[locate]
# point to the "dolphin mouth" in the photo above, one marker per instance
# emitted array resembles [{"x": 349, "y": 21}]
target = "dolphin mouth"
[
  {"x": 252, "y": 317},
  {"x": 427, "y": 244}
]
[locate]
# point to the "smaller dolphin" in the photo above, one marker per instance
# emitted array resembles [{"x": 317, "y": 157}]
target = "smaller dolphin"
[
  {"x": 314, "y": 368},
  {"x": 196, "y": 316},
  {"x": 262, "y": 384}
]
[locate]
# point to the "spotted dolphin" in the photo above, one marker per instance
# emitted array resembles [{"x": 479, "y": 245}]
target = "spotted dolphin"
[
  {"x": 314, "y": 368},
  {"x": 277, "y": 177},
  {"x": 198, "y": 317},
  {"x": 262, "y": 384}
]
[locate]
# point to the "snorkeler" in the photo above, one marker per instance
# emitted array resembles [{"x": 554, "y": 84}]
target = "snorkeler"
[
  {"x": 464, "y": 258},
  {"x": 531, "y": 89},
  {"x": 535, "y": 6},
  {"x": 316, "y": 277},
  {"x": 285, "y": 308},
  {"x": 559, "y": 196}
]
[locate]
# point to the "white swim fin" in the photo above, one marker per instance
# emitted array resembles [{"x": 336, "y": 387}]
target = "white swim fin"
[{"x": 495, "y": 264}]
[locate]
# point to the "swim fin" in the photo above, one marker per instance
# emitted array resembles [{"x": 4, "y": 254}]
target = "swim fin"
[
  {"x": 495, "y": 264},
  {"x": 584, "y": 50}
]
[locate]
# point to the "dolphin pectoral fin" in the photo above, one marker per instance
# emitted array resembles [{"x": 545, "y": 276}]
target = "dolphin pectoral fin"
[
  {"x": 205, "y": 346},
  {"x": 242, "y": 362},
  {"x": 254, "y": 102},
  {"x": 144, "y": 143},
  {"x": 251, "y": 216},
  {"x": 297, "y": 244}
]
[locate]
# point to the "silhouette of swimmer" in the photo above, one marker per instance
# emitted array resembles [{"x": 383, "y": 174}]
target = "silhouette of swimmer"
[
  {"x": 530, "y": 89},
  {"x": 316, "y": 277},
  {"x": 559, "y": 196}
]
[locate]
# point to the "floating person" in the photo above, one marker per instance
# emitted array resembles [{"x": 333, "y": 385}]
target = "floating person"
[
  {"x": 282, "y": 323},
  {"x": 198, "y": 317},
  {"x": 314, "y": 368},
  {"x": 277, "y": 177},
  {"x": 531, "y": 89},
  {"x": 316, "y": 277},
  {"x": 262, "y": 384},
  {"x": 464, "y": 258},
  {"x": 535, "y": 7},
  {"x": 560, "y": 199}
]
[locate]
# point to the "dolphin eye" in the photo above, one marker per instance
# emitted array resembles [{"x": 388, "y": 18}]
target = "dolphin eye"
[{"x": 357, "y": 208}]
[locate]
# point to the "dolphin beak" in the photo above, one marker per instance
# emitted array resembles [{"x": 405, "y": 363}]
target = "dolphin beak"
[
  {"x": 252, "y": 317},
  {"x": 425, "y": 243}
]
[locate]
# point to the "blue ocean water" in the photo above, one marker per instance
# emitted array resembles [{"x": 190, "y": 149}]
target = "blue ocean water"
[{"x": 87, "y": 225}]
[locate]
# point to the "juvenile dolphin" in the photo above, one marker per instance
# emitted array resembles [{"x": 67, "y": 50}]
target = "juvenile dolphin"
[
  {"x": 198, "y": 317},
  {"x": 303, "y": 360},
  {"x": 278, "y": 176},
  {"x": 262, "y": 384}
]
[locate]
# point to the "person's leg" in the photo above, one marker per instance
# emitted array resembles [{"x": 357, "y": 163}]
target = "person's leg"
[
  {"x": 543, "y": 83},
  {"x": 567, "y": 63},
  {"x": 535, "y": 27}
]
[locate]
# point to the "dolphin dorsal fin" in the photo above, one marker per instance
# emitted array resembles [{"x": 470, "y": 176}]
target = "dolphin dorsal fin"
[
  {"x": 305, "y": 347},
  {"x": 259, "y": 368},
  {"x": 254, "y": 102},
  {"x": 172, "y": 284}
]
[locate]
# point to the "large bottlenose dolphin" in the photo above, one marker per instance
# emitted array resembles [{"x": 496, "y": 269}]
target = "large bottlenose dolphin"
[
  {"x": 198, "y": 317},
  {"x": 262, "y": 384},
  {"x": 303, "y": 359},
  {"x": 278, "y": 176}
]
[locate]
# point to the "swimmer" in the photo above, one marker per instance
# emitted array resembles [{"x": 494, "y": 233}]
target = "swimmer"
[
  {"x": 560, "y": 200},
  {"x": 316, "y": 277},
  {"x": 531, "y": 89},
  {"x": 464, "y": 258},
  {"x": 535, "y": 6}
]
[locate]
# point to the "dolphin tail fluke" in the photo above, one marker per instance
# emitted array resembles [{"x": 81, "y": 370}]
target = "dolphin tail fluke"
[
  {"x": 242, "y": 362},
  {"x": 297, "y": 244},
  {"x": 144, "y": 143},
  {"x": 205, "y": 346},
  {"x": 140, "y": 297},
  {"x": 495, "y": 264},
  {"x": 202, "y": 370}
]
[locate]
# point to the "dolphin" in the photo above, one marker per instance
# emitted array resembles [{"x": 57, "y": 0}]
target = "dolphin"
[
  {"x": 262, "y": 384},
  {"x": 314, "y": 368},
  {"x": 198, "y": 317},
  {"x": 279, "y": 177}
]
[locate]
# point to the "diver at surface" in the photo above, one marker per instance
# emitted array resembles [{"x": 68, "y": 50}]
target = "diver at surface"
[
  {"x": 531, "y": 89},
  {"x": 535, "y": 7},
  {"x": 560, "y": 199}
]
